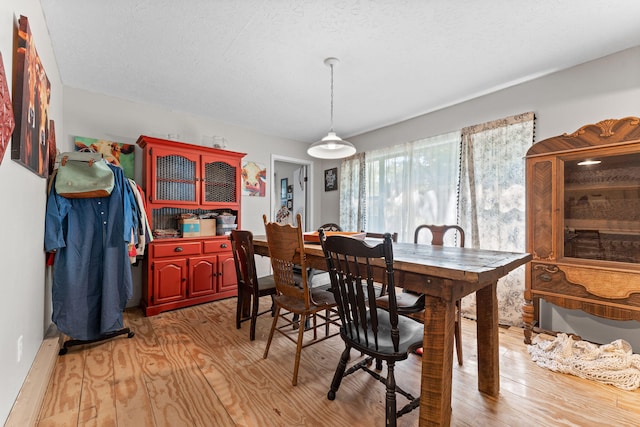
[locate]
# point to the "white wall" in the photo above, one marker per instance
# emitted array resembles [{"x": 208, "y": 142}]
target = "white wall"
[
  {"x": 562, "y": 102},
  {"x": 24, "y": 306}
]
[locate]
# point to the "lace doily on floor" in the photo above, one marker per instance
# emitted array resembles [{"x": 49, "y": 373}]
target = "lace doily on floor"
[{"x": 613, "y": 363}]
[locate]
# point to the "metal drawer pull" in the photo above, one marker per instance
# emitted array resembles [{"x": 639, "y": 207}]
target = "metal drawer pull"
[
  {"x": 224, "y": 245},
  {"x": 178, "y": 249}
]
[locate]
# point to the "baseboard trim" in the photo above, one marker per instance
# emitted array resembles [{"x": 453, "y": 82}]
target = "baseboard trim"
[{"x": 26, "y": 408}]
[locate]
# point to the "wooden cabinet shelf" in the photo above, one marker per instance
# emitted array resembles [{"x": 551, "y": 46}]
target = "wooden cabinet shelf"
[
  {"x": 583, "y": 222},
  {"x": 182, "y": 179},
  {"x": 599, "y": 187}
]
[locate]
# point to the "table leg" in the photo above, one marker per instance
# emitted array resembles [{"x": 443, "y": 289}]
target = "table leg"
[
  {"x": 488, "y": 345},
  {"x": 437, "y": 360}
]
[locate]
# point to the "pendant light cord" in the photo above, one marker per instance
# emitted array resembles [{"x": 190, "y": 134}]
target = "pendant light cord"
[{"x": 331, "y": 65}]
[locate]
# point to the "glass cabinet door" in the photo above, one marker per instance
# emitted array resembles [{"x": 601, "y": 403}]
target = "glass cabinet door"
[
  {"x": 602, "y": 208},
  {"x": 218, "y": 182},
  {"x": 175, "y": 177}
]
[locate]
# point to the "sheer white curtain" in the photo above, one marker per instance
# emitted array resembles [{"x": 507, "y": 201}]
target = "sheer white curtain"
[
  {"x": 492, "y": 201},
  {"x": 412, "y": 184},
  {"x": 353, "y": 202}
]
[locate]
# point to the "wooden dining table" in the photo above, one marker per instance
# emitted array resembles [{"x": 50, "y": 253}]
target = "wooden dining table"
[{"x": 444, "y": 274}]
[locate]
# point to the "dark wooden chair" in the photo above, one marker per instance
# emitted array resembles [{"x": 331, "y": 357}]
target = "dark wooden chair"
[
  {"x": 294, "y": 296},
  {"x": 250, "y": 287},
  {"x": 330, "y": 226},
  {"x": 380, "y": 236},
  {"x": 378, "y": 333}
]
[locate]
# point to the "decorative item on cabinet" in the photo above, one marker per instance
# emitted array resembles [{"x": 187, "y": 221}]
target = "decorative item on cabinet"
[
  {"x": 583, "y": 222},
  {"x": 188, "y": 181}
]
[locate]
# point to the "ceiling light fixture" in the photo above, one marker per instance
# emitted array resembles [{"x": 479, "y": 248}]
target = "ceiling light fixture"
[{"x": 331, "y": 146}]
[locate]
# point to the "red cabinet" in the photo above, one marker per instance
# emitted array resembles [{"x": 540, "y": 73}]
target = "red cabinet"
[{"x": 179, "y": 179}]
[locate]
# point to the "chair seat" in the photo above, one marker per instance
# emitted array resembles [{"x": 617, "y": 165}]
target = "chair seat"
[
  {"x": 411, "y": 334},
  {"x": 408, "y": 302},
  {"x": 323, "y": 298},
  {"x": 266, "y": 283}
]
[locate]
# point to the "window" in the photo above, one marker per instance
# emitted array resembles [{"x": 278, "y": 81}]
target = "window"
[{"x": 412, "y": 184}]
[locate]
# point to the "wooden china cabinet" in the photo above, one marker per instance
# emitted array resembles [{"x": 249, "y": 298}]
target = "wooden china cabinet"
[
  {"x": 583, "y": 222},
  {"x": 182, "y": 178}
]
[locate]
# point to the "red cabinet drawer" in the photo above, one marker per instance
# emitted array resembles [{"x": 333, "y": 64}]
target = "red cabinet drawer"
[
  {"x": 217, "y": 245},
  {"x": 176, "y": 249}
]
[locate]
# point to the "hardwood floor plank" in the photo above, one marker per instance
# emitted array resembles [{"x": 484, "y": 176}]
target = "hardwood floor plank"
[
  {"x": 192, "y": 367},
  {"x": 65, "y": 387},
  {"x": 133, "y": 406},
  {"x": 201, "y": 402},
  {"x": 97, "y": 400}
]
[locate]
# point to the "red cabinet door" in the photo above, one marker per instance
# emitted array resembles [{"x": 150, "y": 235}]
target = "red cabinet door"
[
  {"x": 169, "y": 280},
  {"x": 228, "y": 279},
  {"x": 203, "y": 273},
  {"x": 220, "y": 180},
  {"x": 174, "y": 177}
]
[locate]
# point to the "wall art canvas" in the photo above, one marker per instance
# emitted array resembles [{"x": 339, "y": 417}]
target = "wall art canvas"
[
  {"x": 31, "y": 95},
  {"x": 254, "y": 179},
  {"x": 7, "y": 121},
  {"x": 116, "y": 153}
]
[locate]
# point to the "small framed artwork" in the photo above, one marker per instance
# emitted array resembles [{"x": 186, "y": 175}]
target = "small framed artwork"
[
  {"x": 283, "y": 188},
  {"x": 331, "y": 179},
  {"x": 254, "y": 179}
]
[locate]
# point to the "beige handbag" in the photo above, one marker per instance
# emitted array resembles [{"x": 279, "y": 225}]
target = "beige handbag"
[{"x": 82, "y": 175}]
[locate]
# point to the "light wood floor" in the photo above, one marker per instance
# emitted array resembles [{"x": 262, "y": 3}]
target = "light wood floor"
[{"x": 191, "y": 367}]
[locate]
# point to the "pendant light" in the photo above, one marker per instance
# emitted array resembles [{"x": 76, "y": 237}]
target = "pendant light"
[{"x": 331, "y": 146}]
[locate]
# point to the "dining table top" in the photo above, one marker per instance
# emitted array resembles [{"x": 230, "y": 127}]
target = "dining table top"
[{"x": 460, "y": 264}]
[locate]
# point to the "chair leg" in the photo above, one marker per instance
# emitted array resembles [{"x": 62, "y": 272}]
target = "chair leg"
[
  {"x": 298, "y": 350},
  {"x": 273, "y": 329},
  {"x": 255, "y": 307},
  {"x": 337, "y": 377},
  {"x": 239, "y": 308},
  {"x": 458, "y": 332},
  {"x": 392, "y": 418}
]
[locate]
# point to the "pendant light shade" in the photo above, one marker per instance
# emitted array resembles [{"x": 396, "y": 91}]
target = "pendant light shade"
[{"x": 331, "y": 146}]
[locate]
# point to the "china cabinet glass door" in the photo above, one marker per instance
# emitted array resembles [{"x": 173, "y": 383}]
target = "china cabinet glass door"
[{"x": 602, "y": 208}]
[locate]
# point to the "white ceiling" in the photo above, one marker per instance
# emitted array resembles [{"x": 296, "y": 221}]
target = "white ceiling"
[{"x": 259, "y": 63}]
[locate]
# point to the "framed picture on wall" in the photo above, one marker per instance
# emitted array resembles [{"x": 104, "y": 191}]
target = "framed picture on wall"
[
  {"x": 32, "y": 92},
  {"x": 116, "y": 153},
  {"x": 254, "y": 179},
  {"x": 283, "y": 188},
  {"x": 331, "y": 179}
]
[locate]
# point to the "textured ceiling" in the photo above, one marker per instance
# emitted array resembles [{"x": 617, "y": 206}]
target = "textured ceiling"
[{"x": 259, "y": 63}]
